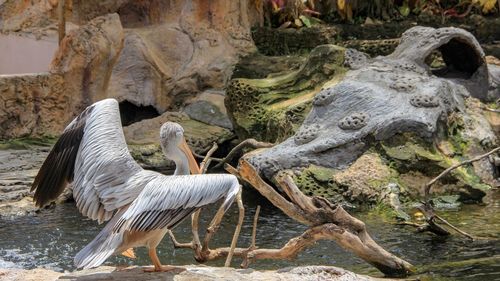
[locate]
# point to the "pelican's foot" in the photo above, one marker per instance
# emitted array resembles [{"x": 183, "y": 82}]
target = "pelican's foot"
[{"x": 165, "y": 268}]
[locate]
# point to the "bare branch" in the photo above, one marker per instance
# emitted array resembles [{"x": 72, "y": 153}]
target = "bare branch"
[
  {"x": 206, "y": 161},
  {"x": 241, "y": 216},
  {"x": 254, "y": 229},
  {"x": 248, "y": 173},
  {"x": 428, "y": 186},
  {"x": 246, "y": 143}
]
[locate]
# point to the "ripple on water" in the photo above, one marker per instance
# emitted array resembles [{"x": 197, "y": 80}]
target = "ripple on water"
[{"x": 52, "y": 238}]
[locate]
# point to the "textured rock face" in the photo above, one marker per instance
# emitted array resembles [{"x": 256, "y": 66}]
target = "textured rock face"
[
  {"x": 32, "y": 104},
  {"x": 86, "y": 57},
  {"x": 272, "y": 108},
  {"x": 197, "y": 273},
  {"x": 43, "y": 104},
  {"x": 175, "y": 51},
  {"x": 391, "y": 95}
]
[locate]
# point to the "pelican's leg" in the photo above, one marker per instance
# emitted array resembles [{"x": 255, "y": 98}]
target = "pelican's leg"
[{"x": 158, "y": 267}]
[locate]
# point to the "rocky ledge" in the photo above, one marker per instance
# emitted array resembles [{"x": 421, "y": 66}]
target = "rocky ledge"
[{"x": 193, "y": 272}]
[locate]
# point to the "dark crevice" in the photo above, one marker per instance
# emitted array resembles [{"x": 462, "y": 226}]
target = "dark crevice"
[
  {"x": 455, "y": 59},
  {"x": 131, "y": 113}
]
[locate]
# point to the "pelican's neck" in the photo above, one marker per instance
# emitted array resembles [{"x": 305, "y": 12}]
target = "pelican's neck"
[{"x": 181, "y": 162}]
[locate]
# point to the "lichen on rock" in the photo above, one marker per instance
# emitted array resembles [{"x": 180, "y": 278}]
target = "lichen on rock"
[{"x": 272, "y": 108}]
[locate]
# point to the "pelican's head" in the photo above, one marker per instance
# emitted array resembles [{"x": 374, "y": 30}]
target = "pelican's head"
[{"x": 174, "y": 147}]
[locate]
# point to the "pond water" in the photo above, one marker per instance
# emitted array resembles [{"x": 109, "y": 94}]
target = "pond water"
[{"x": 51, "y": 239}]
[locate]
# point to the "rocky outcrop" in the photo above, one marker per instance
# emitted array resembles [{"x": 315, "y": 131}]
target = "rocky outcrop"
[
  {"x": 44, "y": 103},
  {"x": 272, "y": 108},
  {"x": 378, "y": 103},
  {"x": 32, "y": 104},
  {"x": 198, "y": 273},
  {"x": 85, "y": 60}
]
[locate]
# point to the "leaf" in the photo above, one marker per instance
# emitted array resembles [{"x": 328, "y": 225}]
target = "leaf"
[
  {"x": 488, "y": 5},
  {"x": 305, "y": 20},
  {"x": 298, "y": 22},
  {"x": 404, "y": 10}
]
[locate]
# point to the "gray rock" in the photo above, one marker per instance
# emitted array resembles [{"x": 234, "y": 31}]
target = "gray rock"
[
  {"x": 207, "y": 112},
  {"x": 386, "y": 96}
]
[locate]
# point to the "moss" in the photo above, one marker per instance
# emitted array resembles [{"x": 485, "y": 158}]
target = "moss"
[
  {"x": 407, "y": 152},
  {"x": 273, "y": 108},
  {"x": 317, "y": 181},
  {"x": 27, "y": 142}
]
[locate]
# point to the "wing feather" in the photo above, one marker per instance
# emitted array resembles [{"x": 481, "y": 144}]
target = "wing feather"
[
  {"x": 166, "y": 201},
  {"x": 92, "y": 153}
]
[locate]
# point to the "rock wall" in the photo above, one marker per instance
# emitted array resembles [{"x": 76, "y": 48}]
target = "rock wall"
[
  {"x": 31, "y": 104},
  {"x": 44, "y": 103},
  {"x": 175, "y": 50}
]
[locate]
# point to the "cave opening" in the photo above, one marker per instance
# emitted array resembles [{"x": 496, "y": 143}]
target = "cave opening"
[
  {"x": 455, "y": 59},
  {"x": 131, "y": 113}
]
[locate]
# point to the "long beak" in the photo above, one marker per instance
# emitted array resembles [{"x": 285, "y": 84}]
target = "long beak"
[{"x": 193, "y": 165}]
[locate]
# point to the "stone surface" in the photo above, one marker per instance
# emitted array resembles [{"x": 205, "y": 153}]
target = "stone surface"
[
  {"x": 32, "y": 105},
  {"x": 193, "y": 273},
  {"x": 387, "y": 96},
  {"x": 198, "y": 47},
  {"x": 279, "y": 42},
  {"x": 18, "y": 169},
  {"x": 85, "y": 60},
  {"x": 44, "y": 103},
  {"x": 272, "y": 108}
]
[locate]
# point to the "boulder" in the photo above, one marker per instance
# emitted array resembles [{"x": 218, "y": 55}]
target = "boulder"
[
  {"x": 175, "y": 52},
  {"x": 399, "y": 108}
]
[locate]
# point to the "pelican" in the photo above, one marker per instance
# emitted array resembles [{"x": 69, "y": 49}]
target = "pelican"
[{"x": 108, "y": 184}]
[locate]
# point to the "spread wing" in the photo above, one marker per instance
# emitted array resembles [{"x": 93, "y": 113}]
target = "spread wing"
[
  {"x": 166, "y": 201},
  {"x": 92, "y": 153}
]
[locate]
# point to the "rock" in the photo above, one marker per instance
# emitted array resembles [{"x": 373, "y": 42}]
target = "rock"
[
  {"x": 44, "y": 103},
  {"x": 376, "y": 104},
  {"x": 198, "y": 48},
  {"x": 32, "y": 105},
  {"x": 364, "y": 180},
  {"x": 272, "y": 108},
  {"x": 207, "y": 112},
  {"x": 197, "y": 273},
  {"x": 85, "y": 60},
  {"x": 143, "y": 138},
  {"x": 381, "y": 47},
  {"x": 285, "y": 41}
]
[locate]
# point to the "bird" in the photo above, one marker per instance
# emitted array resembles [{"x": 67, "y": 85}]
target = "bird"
[{"x": 108, "y": 184}]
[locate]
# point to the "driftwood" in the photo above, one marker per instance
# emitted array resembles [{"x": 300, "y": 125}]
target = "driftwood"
[
  {"x": 246, "y": 143},
  {"x": 326, "y": 222},
  {"x": 202, "y": 250}
]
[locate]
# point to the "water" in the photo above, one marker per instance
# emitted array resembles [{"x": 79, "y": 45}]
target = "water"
[{"x": 52, "y": 238}]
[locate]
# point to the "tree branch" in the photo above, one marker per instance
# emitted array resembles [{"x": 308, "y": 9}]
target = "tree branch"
[{"x": 246, "y": 143}]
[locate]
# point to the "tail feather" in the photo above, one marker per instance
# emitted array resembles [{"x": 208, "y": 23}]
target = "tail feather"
[{"x": 102, "y": 247}]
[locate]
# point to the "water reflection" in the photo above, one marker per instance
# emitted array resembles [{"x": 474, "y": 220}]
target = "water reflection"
[{"x": 52, "y": 238}]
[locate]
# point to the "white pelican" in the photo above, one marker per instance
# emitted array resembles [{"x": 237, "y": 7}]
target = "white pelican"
[{"x": 93, "y": 155}]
